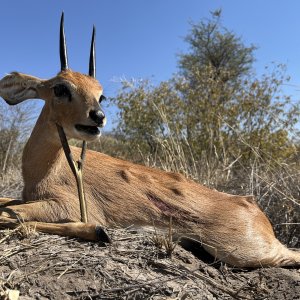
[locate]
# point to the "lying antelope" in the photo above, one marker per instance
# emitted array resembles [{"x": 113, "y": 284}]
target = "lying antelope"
[{"x": 231, "y": 228}]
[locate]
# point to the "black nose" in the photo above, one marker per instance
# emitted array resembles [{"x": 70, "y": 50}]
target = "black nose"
[{"x": 97, "y": 116}]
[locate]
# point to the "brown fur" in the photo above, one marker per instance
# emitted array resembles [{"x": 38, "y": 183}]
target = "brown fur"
[{"x": 232, "y": 228}]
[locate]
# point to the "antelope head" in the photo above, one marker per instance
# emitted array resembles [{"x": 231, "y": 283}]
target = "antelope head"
[{"x": 72, "y": 99}]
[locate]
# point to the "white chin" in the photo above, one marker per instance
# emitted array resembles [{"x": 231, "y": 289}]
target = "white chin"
[
  {"x": 81, "y": 135},
  {"x": 88, "y": 137}
]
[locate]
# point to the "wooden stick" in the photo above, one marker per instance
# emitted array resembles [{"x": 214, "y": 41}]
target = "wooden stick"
[{"x": 76, "y": 167}]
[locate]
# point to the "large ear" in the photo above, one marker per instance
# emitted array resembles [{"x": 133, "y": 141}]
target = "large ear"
[{"x": 17, "y": 87}]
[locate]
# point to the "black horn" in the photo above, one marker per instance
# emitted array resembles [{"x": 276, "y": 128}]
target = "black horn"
[
  {"x": 62, "y": 46},
  {"x": 92, "y": 66}
]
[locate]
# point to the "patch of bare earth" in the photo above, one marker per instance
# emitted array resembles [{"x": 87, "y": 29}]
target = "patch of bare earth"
[{"x": 44, "y": 266}]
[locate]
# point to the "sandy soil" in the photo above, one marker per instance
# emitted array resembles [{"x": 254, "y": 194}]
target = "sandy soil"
[{"x": 42, "y": 266}]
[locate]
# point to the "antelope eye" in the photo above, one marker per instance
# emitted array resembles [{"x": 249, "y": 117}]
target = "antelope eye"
[
  {"x": 102, "y": 98},
  {"x": 61, "y": 90}
]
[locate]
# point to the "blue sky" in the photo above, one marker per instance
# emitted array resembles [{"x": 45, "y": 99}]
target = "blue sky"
[{"x": 140, "y": 38}]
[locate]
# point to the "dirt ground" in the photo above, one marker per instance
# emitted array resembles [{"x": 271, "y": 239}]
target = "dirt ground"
[{"x": 42, "y": 266}]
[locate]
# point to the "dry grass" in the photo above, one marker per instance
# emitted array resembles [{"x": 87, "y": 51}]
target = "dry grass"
[
  {"x": 11, "y": 183},
  {"x": 165, "y": 241}
]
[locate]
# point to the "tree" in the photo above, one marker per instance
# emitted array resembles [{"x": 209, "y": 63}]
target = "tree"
[
  {"x": 213, "y": 45},
  {"x": 15, "y": 125}
]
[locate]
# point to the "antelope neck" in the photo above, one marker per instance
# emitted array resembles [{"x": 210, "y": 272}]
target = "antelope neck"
[{"x": 43, "y": 150}]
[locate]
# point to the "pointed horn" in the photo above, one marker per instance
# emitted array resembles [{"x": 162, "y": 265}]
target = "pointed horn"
[
  {"x": 62, "y": 46},
  {"x": 92, "y": 66}
]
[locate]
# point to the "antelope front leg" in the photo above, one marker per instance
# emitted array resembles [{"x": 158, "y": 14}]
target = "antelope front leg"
[
  {"x": 7, "y": 200},
  {"x": 50, "y": 211},
  {"x": 33, "y": 213},
  {"x": 90, "y": 232}
]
